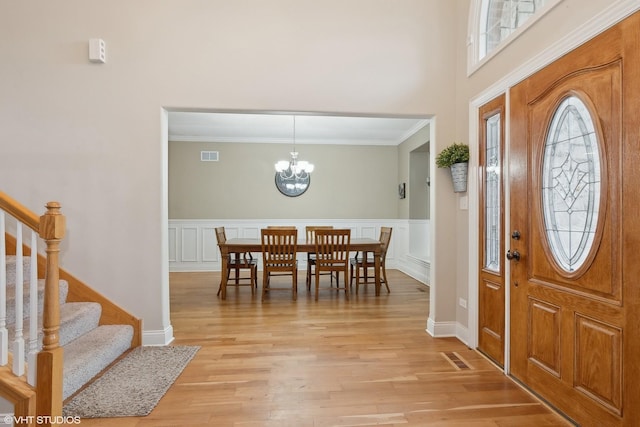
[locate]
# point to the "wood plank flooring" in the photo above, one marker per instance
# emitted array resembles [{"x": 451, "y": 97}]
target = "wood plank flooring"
[{"x": 304, "y": 363}]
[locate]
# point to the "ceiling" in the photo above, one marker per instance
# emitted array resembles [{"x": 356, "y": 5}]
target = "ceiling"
[{"x": 279, "y": 128}]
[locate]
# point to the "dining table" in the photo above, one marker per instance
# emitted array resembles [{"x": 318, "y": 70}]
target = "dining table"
[{"x": 241, "y": 245}]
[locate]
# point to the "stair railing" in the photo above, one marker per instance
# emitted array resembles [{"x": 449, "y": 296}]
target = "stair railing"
[{"x": 41, "y": 394}]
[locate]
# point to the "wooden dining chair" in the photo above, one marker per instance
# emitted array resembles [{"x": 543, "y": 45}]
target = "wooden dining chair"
[
  {"x": 332, "y": 256},
  {"x": 236, "y": 262},
  {"x": 310, "y": 231},
  {"x": 359, "y": 265},
  {"x": 279, "y": 248}
]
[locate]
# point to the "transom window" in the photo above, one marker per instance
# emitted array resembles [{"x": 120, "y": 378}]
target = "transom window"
[{"x": 500, "y": 18}]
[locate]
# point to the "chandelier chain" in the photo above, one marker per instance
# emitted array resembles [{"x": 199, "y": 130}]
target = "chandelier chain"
[{"x": 294, "y": 169}]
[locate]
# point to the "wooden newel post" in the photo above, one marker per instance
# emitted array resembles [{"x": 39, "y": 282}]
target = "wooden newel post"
[{"x": 50, "y": 359}]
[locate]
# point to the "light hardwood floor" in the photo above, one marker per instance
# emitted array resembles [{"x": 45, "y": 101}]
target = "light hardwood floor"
[{"x": 304, "y": 363}]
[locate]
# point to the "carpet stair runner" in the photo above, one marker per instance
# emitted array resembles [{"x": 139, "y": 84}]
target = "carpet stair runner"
[{"x": 88, "y": 347}]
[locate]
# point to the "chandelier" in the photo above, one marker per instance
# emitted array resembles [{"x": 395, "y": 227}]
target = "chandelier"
[{"x": 296, "y": 171}]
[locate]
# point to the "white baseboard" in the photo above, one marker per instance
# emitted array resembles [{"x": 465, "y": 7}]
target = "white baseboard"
[
  {"x": 462, "y": 333},
  {"x": 441, "y": 329},
  {"x": 158, "y": 337},
  {"x": 415, "y": 267},
  {"x": 447, "y": 329}
]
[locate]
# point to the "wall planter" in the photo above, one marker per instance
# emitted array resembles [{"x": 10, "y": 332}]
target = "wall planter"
[
  {"x": 459, "y": 172},
  {"x": 456, "y": 158}
]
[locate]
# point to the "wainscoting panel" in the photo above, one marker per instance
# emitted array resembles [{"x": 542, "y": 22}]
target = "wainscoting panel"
[
  {"x": 210, "y": 251},
  {"x": 193, "y": 245},
  {"x": 173, "y": 244},
  {"x": 370, "y": 232},
  {"x": 190, "y": 248},
  {"x": 251, "y": 233},
  {"x": 419, "y": 239}
]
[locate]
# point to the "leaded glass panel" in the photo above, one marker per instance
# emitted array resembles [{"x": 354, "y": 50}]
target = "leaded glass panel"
[
  {"x": 492, "y": 195},
  {"x": 500, "y": 18},
  {"x": 571, "y": 184}
]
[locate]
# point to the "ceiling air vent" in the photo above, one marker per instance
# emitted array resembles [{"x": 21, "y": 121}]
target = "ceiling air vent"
[{"x": 209, "y": 156}]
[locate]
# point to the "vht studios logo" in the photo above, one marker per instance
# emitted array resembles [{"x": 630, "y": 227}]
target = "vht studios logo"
[{"x": 40, "y": 419}]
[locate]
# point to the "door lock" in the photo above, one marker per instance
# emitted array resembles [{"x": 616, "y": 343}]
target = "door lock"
[{"x": 511, "y": 255}]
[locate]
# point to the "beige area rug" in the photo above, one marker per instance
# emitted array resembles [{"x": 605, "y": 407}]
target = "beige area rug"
[{"x": 133, "y": 386}]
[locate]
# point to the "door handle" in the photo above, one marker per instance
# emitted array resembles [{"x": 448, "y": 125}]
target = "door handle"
[{"x": 511, "y": 255}]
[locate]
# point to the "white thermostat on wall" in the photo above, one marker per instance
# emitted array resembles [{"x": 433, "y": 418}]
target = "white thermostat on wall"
[{"x": 97, "y": 51}]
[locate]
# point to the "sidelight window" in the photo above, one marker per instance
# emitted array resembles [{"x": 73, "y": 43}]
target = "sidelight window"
[{"x": 492, "y": 216}]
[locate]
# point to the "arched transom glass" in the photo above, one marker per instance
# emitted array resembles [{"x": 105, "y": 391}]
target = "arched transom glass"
[
  {"x": 571, "y": 184},
  {"x": 500, "y": 18}
]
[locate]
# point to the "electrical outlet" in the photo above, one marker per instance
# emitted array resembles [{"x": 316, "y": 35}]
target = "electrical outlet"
[{"x": 462, "y": 302}]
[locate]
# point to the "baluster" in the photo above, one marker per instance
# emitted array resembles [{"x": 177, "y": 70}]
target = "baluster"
[
  {"x": 33, "y": 311},
  {"x": 4, "y": 335},
  {"x": 18, "y": 341}
]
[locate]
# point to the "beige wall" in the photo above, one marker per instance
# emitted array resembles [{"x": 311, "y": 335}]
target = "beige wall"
[
  {"x": 419, "y": 184},
  {"x": 409, "y": 176},
  {"x": 91, "y": 135},
  {"x": 348, "y": 182}
]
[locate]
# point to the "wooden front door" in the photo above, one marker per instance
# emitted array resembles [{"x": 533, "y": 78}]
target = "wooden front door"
[
  {"x": 575, "y": 271},
  {"x": 491, "y": 292}
]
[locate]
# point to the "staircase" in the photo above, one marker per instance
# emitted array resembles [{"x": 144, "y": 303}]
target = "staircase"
[
  {"x": 52, "y": 348},
  {"x": 88, "y": 346}
]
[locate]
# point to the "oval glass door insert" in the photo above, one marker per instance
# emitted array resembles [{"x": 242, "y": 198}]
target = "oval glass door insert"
[{"x": 571, "y": 184}]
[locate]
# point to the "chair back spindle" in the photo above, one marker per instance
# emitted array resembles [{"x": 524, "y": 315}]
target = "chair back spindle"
[
  {"x": 332, "y": 248},
  {"x": 236, "y": 263},
  {"x": 310, "y": 231},
  {"x": 279, "y": 248},
  {"x": 362, "y": 264}
]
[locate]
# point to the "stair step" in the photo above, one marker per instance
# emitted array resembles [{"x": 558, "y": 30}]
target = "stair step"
[
  {"x": 26, "y": 297},
  {"x": 88, "y": 355},
  {"x": 76, "y": 319},
  {"x": 11, "y": 269},
  {"x": 88, "y": 348}
]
